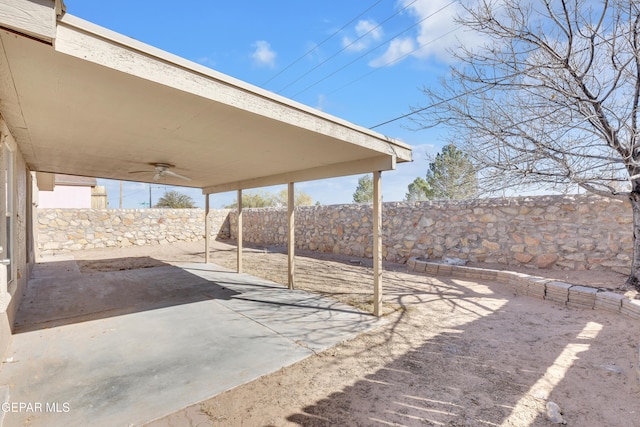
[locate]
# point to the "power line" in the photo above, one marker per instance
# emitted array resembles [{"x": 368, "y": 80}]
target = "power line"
[
  {"x": 479, "y": 90},
  {"x": 373, "y": 49},
  {"x": 307, "y": 53},
  {"x": 345, "y": 47},
  {"x": 444, "y": 101},
  {"x": 392, "y": 62},
  {"x": 404, "y": 116}
]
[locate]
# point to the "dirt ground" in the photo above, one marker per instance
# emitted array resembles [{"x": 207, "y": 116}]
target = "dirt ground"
[{"x": 451, "y": 353}]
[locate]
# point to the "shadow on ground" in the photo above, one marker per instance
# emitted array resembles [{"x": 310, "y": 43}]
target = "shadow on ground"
[
  {"x": 120, "y": 345},
  {"x": 69, "y": 291},
  {"x": 454, "y": 353},
  {"x": 486, "y": 358}
]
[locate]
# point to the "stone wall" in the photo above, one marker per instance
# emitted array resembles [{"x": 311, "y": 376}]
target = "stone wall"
[
  {"x": 65, "y": 230},
  {"x": 562, "y": 232}
]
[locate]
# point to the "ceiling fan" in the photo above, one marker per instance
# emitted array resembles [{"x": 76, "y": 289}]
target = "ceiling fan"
[{"x": 162, "y": 170}]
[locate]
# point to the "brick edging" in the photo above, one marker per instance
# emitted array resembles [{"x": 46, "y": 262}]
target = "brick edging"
[{"x": 539, "y": 287}]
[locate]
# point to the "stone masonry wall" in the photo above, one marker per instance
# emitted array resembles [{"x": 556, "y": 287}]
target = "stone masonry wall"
[
  {"x": 65, "y": 230},
  {"x": 561, "y": 232}
]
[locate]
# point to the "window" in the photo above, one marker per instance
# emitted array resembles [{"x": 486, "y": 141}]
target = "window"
[{"x": 7, "y": 240}]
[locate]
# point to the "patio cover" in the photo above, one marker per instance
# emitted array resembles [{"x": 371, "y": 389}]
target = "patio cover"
[{"x": 82, "y": 100}]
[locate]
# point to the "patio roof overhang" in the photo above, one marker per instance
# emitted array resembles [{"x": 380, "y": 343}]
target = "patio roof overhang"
[{"x": 83, "y": 100}]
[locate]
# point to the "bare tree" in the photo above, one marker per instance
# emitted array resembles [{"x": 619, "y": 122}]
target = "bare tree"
[{"x": 549, "y": 99}]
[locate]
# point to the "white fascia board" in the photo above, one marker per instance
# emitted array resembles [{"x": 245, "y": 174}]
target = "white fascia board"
[
  {"x": 34, "y": 18},
  {"x": 379, "y": 163}
]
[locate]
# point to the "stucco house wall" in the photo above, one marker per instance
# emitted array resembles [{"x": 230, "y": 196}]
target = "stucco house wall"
[
  {"x": 69, "y": 192},
  {"x": 64, "y": 196},
  {"x": 16, "y": 182}
]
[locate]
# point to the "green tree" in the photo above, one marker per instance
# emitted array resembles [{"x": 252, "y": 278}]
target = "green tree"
[
  {"x": 175, "y": 200},
  {"x": 262, "y": 199},
  {"x": 418, "y": 190},
  {"x": 265, "y": 199},
  {"x": 300, "y": 198},
  {"x": 451, "y": 175},
  {"x": 364, "y": 190}
]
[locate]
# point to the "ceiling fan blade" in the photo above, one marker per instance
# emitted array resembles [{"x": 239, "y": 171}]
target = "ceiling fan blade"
[
  {"x": 157, "y": 176},
  {"x": 147, "y": 171},
  {"x": 168, "y": 172}
]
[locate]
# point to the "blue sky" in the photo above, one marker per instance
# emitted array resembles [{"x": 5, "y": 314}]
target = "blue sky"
[{"x": 361, "y": 60}]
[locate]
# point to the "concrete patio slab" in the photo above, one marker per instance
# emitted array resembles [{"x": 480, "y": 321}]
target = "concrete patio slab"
[{"x": 126, "y": 347}]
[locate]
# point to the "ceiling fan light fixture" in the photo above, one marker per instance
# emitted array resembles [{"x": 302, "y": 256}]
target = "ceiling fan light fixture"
[{"x": 162, "y": 170}]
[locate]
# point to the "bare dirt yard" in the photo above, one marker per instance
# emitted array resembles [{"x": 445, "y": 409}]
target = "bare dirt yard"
[{"x": 451, "y": 353}]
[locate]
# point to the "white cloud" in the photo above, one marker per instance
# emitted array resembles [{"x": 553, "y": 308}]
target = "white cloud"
[
  {"x": 398, "y": 48},
  {"x": 263, "y": 55},
  {"x": 367, "y": 32},
  {"x": 439, "y": 26},
  {"x": 370, "y": 29},
  {"x": 436, "y": 32},
  {"x": 321, "y": 102},
  {"x": 207, "y": 61}
]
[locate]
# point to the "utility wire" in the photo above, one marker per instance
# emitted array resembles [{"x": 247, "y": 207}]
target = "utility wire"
[
  {"x": 404, "y": 116},
  {"x": 373, "y": 49},
  {"x": 307, "y": 53},
  {"x": 479, "y": 90},
  {"x": 392, "y": 62},
  {"x": 346, "y": 47},
  {"x": 443, "y": 101}
]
